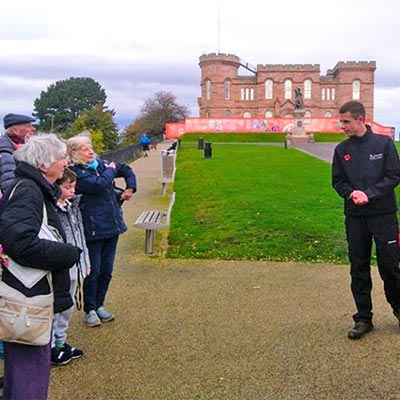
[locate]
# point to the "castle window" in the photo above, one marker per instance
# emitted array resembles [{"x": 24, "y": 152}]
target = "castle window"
[
  {"x": 307, "y": 88},
  {"x": 333, "y": 92},
  {"x": 247, "y": 115},
  {"x": 328, "y": 114},
  {"x": 227, "y": 113},
  {"x": 227, "y": 89},
  {"x": 246, "y": 94},
  {"x": 307, "y": 114},
  {"x": 356, "y": 89},
  {"x": 208, "y": 90},
  {"x": 328, "y": 93},
  {"x": 268, "y": 114},
  {"x": 208, "y": 114},
  {"x": 269, "y": 89},
  {"x": 288, "y": 89},
  {"x": 323, "y": 93}
]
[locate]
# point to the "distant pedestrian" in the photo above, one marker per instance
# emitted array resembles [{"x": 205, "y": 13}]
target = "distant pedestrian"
[
  {"x": 145, "y": 143},
  {"x": 365, "y": 172}
]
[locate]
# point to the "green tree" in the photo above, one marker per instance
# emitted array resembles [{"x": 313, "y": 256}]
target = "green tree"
[
  {"x": 64, "y": 101},
  {"x": 100, "y": 120},
  {"x": 159, "y": 110},
  {"x": 132, "y": 132}
]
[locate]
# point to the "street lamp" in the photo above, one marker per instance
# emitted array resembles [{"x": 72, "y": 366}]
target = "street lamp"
[{"x": 52, "y": 121}]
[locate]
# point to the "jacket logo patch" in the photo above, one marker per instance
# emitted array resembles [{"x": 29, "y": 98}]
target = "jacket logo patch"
[
  {"x": 373, "y": 157},
  {"x": 347, "y": 157}
]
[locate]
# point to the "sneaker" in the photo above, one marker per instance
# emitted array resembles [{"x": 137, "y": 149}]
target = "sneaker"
[
  {"x": 92, "y": 319},
  {"x": 75, "y": 353},
  {"x": 60, "y": 356},
  {"x": 104, "y": 315},
  {"x": 360, "y": 329}
]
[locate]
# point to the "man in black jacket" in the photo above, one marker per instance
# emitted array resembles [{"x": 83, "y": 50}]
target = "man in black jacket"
[{"x": 365, "y": 172}]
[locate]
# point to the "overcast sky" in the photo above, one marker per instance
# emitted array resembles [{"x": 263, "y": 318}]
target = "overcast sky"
[{"x": 136, "y": 48}]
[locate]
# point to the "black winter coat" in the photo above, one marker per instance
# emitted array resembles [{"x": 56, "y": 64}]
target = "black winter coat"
[
  {"x": 20, "y": 221},
  {"x": 369, "y": 163}
]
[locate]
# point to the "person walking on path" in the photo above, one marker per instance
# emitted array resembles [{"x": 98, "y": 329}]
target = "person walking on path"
[
  {"x": 145, "y": 143},
  {"x": 365, "y": 172}
]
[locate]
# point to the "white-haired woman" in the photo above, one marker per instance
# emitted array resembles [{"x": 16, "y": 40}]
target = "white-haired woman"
[
  {"x": 102, "y": 220},
  {"x": 40, "y": 162}
]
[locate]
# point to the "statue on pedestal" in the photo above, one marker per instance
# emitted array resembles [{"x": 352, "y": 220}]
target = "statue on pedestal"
[{"x": 299, "y": 99}]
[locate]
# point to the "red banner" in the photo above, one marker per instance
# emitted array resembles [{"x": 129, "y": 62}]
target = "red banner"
[{"x": 259, "y": 125}]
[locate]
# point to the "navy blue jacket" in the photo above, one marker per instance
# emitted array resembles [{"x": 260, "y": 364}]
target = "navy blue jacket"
[
  {"x": 369, "y": 163},
  {"x": 101, "y": 211}
]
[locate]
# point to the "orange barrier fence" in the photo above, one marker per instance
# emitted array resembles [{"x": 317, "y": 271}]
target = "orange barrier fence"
[{"x": 259, "y": 125}]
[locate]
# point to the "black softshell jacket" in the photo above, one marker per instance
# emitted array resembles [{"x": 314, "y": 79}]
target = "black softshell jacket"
[
  {"x": 369, "y": 163},
  {"x": 20, "y": 221}
]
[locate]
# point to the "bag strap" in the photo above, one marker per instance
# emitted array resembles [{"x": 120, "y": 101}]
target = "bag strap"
[{"x": 45, "y": 221}]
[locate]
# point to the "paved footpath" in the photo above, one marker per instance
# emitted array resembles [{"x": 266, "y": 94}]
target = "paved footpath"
[
  {"x": 324, "y": 151},
  {"x": 214, "y": 329}
]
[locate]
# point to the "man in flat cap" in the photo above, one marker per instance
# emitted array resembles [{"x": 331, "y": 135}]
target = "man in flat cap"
[{"x": 18, "y": 128}]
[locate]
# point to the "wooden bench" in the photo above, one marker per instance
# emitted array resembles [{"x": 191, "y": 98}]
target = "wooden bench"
[
  {"x": 151, "y": 221},
  {"x": 168, "y": 169}
]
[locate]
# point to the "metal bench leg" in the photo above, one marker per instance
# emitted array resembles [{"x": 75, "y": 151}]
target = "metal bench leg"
[
  {"x": 164, "y": 188},
  {"x": 149, "y": 242}
]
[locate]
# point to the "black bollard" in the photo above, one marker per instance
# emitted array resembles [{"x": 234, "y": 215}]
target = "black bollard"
[
  {"x": 207, "y": 150},
  {"x": 179, "y": 144},
  {"x": 200, "y": 143}
]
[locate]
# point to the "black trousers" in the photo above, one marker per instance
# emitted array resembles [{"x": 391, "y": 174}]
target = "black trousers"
[{"x": 360, "y": 231}]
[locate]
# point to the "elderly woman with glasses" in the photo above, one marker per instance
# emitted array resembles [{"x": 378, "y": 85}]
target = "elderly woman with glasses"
[{"x": 40, "y": 162}]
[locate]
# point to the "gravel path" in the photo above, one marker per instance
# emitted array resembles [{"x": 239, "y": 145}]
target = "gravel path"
[{"x": 210, "y": 329}]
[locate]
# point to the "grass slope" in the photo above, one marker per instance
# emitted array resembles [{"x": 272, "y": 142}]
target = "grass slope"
[{"x": 255, "y": 202}]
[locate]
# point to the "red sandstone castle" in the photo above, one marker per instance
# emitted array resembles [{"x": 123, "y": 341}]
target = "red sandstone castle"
[{"x": 268, "y": 92}]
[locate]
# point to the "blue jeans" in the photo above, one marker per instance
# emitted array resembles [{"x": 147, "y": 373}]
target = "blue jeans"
[{"x": 95, "y": 285}]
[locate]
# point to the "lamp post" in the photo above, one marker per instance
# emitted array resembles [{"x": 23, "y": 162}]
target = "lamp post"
[{"x": 52, "y": 121}]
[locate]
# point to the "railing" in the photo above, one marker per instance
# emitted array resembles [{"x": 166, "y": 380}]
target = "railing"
[{"x": 127, "y": 154}]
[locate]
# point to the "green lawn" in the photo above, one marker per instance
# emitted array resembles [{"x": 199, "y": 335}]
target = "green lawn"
[
  {"x": 256, "y": 137},
  {"x": 255, "y": 202}
]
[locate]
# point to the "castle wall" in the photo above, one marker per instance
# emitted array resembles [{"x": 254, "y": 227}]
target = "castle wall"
[{"x": 247, "y": 94}]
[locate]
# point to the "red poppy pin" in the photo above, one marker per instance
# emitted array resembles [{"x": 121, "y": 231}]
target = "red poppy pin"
[{"x": 347, "y": 157}]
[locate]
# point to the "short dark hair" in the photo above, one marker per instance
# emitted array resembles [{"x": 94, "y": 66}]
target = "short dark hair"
[
  {"x": 68, "y": 175},
  {"x": 355, "y": 108}
]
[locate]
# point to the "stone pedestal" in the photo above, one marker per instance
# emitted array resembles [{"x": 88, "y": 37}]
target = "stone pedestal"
[{"x": 299, "y": 134}]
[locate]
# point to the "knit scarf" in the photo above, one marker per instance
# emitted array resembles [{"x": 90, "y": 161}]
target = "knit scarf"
[{"x": 93, "y": 165}]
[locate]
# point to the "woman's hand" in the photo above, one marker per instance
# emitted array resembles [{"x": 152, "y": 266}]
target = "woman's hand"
[
  {"x": 110, "y": 165},
  {"x": 127, "y": 194}
]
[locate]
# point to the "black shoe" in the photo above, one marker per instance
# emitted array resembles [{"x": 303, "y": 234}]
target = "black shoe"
[
  {"x": 75, "y": 353},
  {"x": 60, "y": 356},
  {"x": 360, "y": 329}
]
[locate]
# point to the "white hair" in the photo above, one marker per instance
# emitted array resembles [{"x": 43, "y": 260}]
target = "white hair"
[
  {"x": 75, "y": 143},
  {"x": 41, "y": 150}
]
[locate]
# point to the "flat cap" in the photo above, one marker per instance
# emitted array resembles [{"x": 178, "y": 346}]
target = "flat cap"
[{"x": 16, "y": 119}]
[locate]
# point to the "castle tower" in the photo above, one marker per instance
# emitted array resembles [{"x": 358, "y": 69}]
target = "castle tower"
[{"x": 218, "y": 72}]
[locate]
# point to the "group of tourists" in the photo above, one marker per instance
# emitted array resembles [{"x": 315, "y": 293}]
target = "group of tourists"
[{"x": 45, "y": 180}]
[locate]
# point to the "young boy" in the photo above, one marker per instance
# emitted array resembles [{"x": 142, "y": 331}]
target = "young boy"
[{"x": 71, "y": 218}]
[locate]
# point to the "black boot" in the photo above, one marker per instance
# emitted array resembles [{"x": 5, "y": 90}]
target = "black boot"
[{"x": 360, "y": 329}]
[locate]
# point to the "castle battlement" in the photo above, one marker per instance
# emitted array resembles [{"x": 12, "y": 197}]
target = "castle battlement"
[
  {"x": 288, "y": 67},
  {"x": 353, "y": 64},
  {"x": 219, "y": 57}
]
